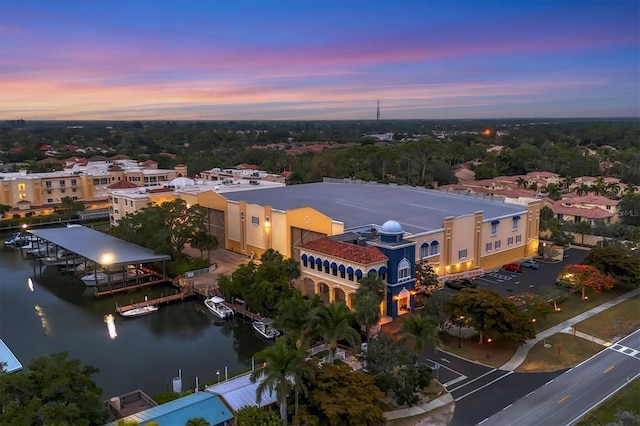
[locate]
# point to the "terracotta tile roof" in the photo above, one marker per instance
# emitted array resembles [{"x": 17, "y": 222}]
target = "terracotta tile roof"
[
  {"x": 593, "y": 199},
  {"x": 122, "y": 184},
  {"x": 351, "y": 252},
  {"x": 593, "y": 213}
]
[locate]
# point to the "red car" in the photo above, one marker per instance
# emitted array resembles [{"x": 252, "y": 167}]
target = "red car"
[{"x": 513, "y": 267}]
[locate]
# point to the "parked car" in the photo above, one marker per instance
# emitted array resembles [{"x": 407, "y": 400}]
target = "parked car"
[
  {"x": 529, "y": 264},
  {"x": 513, "y": 267},
  {"x": 460, "y": 284}
]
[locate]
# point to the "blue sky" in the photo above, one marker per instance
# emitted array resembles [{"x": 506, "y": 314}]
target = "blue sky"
[{"x": 219, "y": 60}]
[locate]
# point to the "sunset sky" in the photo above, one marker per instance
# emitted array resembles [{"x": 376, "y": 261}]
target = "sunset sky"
[{"x": 324, "y": 60}]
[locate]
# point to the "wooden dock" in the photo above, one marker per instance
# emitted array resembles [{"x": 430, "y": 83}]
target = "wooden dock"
[
  {"x": 184, "y": 294},
  {"x": 121, "y": 287}
]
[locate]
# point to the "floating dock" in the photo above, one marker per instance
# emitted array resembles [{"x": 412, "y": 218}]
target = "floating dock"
[{"x": 7, "y": 357}]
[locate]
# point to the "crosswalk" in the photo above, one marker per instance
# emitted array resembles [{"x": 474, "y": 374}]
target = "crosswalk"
[{"x": 625, "y": 350}]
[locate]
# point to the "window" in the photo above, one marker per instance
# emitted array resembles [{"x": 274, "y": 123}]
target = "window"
[
  {"x": 608, "y": 207},
  {"x": 516, "y": 219},
  {"x": 404, "y": 272},
  {"x": 497, "y": 244},
  {"x": 116, "y": 211},
  {"x": 494, "y": 227},
  {"x": 48, "y": 192},
  {"x": 326, "y": 268},
  {"x": 23, "y": 187},
  {"x": 350, "y": 276},
  {"x": 434, "y": 248},
  {"x": 74, "y": 190},
  {"x": 255, "y": 220},
  {"x": 47, "y": 184},
  {"x": 74, "y": 182},
  {"x": 510, "y": 241},
  {"x": 462, "y": 254},
  {"x": 115, "y": 200},
  {"x": 518, "y": 239},
  {"x": 22, "y": 196},
  {"x": 342, "y": 274},
  {"x": 488, "y": 246},
  {"x": 49, "y": 200},
  {"x": 62, "y": 184},
  {"x": 62, "y": 191},
  {"x": 424, "y": 250},
  {"x": 305, "y": 262}
]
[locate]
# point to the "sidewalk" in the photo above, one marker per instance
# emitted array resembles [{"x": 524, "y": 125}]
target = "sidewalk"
[{"x": 521, "y": 354}]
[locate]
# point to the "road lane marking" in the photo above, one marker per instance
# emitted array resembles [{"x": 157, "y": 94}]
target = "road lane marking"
[
  {"x": 507, "y": 407},
  {"x": 471, "y": 381},
  {"x": 608, "y": 369},
  {"x": 564, "y": 397},
  {"x": 482, "y": 387}
]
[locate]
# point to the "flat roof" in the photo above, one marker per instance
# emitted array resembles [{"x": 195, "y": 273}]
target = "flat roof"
[
  {"x": 94, "y": 245},
  {"x": 240, "y": 391},
  {"x": 359, "y": 204}
]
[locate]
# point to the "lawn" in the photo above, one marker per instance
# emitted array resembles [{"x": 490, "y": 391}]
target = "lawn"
[
  {"x": 575, "y": 306},
  {"x": 494, "y": 353},
  {"x": 562, "y": 351},
  {"x": 617, "y": 321},
  {"x": 626, "y": 399}
]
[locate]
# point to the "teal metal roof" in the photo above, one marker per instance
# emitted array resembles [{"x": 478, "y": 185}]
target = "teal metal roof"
[{"x": 179, "y": 411}]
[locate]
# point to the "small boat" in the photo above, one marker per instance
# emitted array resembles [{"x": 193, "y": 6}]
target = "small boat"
[
  {"x": 17, "y": 239},
  {"x": 216, "y": 305},
  {"x": 136, "y": 312},
  {"x": 93, "y": 278},
  {"x": 265, "y": 328}
]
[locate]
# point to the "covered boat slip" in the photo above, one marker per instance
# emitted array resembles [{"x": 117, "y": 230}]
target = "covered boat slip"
[
  {"x": 109, "y": 252},
  {"x": 9, "y": 359}
]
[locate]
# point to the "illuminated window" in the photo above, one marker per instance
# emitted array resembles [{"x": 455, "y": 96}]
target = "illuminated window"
[
  {"x": 22, "y": 196},
  {"x": 404, "y": 270},
  {"x": 22, "y": 187}
]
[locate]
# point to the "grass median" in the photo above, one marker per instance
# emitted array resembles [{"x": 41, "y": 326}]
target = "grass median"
[
  {"x": 614, "y": 323},
  {"x": 557, "y": 352}
]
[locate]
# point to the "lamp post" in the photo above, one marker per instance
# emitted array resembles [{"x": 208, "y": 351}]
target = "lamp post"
[
  {"x": 460, "y": 319},
  {"x": 218, "y": 374}
]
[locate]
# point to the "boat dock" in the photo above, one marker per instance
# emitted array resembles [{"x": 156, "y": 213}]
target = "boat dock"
[
  {"x": 130, "y": 282},
  {"x": 185, "y": 293},
  {"x": 7, "y": 357}
]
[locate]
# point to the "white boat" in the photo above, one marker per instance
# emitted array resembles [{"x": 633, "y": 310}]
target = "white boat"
[
  {"x": 95, "y": 277},
  {"x": 216, "y": 305},
  {"x": 136, "y": 312},
  {"x": 265, "y": 328},
  {"x": 17, "y": 239}
]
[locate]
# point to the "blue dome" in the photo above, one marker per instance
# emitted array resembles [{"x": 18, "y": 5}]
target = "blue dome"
[{"x": 391, "y": 227}]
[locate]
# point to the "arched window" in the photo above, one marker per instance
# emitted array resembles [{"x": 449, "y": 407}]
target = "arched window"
[
  {"x": 434, "y": 248},
  {"x": 424, "y": 250},
  {"x": 404, "y": 270}
]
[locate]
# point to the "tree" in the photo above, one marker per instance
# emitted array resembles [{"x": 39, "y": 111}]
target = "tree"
[
  {"x": 434, "y": 308},
  {"x": 295, "y": 318},
  {"x": 426, "y": 278},
  {"x": 384, "y": 354},
  {"x": 554, "y": 295},
  {"x": 629, "y": 210},
  {"x": 421, "y": 330},
  {"x": 202, "y": 241},
  {"x": 618, "y": 263},
  {"x": 283, "y": 367},
  {"x": 491, "y": 315},
  {"x": 521, "y": 182},
  {"x": 368, "y": 298},
  {"x": 586, "y": 277},
  {"x": 340, "y": 396},
  {"x": 582, "y": 227},
  {"x": 553, "y": 190},
  {"x": 256, "y": 416},
  {"x": 56, "y": 390},
  {"x": 531, "y": 305},
  {"x": 333, "y": 323}
]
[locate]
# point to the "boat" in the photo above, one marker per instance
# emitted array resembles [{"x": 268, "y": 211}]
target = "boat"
[
  {"x": 265, "y": 328},
  {"x": 137, "y": 312},
  {"x": 93, "y": 278},
  {"x": 216, "y": 305},
  {"x": 17, "y": 239}
]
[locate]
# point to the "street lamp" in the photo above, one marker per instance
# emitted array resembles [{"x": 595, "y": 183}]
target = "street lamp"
[
  {"x": 460, "y": 319},
  {"x": 218, "y": 374}
]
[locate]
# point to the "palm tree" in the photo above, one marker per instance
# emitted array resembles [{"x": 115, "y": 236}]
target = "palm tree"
[
  {"x": 630, "y": 189},
  {"x": 599, "y": 187},
  {"x": 420, "y": 329},
  {"x": 613, "y": 189},
  {"x": 204, "y": 241},
  {"x": 367, "y": 306},
  {"x": 296, "y": 318},
  {"x": 285, "y": 369},
  {"x": 521, "y": 182},
  {"x": 553, "y": 191},
  {"x": 583, "y": 189},
  {"x": 333, "y": 323},
  {"x": 568, "y": 181}
]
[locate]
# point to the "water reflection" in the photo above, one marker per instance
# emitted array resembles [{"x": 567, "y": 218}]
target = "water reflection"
[
  {"x": 111, "y": 326},
  {"x": 43, "y": 319},
  {"x": 30, "y": 283}
]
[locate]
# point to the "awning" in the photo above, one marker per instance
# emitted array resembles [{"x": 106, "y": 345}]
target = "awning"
[
  {"x": 358, "y": 273},
  {"x": 382, "y": 270},
  {"x": 341, "y": 268},
  {"x": 404, "y": 293},
  {"x": 325, "y": 263},
  {"x": 334, "y": 265},
  {"x": 516, "y": 217},
  {"x": 495, "y": 222},
  {"x": 434, "y": 243},
  {"x": 318, "y": 261},
  {"x": 424, "y": 245},
  {"x": 372, "y": 272},
  {"x": 350, "y": 270},
  {"x": 303, "y": 257}
]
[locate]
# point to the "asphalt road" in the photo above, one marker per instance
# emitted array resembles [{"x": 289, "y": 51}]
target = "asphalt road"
[{"x": 568, "y": 397}]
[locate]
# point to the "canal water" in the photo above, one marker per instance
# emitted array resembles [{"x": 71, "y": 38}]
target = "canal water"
[{"x": 43, "y": 312}]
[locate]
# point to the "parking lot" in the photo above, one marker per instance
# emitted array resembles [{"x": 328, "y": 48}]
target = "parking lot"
[{"x": 530, "y": 280}]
